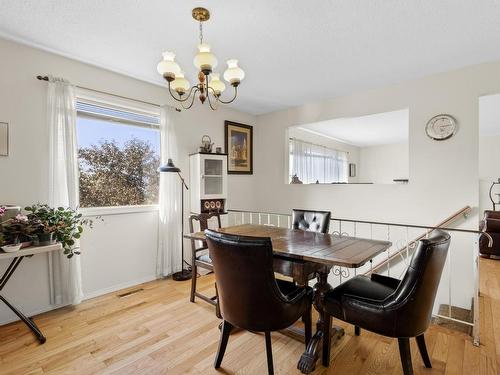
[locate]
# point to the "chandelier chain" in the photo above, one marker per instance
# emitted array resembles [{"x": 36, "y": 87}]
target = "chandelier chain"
[{"x": 201, "y": 32}]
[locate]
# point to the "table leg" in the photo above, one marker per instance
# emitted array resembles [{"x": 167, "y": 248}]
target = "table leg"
[
  {"x": 30, "y": 323},
  {"x": 307, "y": 362},
  {"x": 3, "y": 281}
]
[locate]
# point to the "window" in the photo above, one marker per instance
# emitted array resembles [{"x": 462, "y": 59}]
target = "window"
[
  {"x": 314, "y": 163},
  {"x": 118, "y": 155}
]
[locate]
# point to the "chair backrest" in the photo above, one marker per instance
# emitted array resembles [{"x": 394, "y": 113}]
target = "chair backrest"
[
  {"x": 413, "y": 300},
  {"x": 312, "y": 221},
  {"x": 249, "y": 296},
  {"x": 202, "y": 219}
]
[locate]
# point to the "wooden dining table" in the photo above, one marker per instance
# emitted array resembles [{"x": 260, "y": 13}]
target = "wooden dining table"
[{"x": 303, "y": 256}]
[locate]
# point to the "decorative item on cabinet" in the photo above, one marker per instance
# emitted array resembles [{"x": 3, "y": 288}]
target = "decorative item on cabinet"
[
  {"x": 206, "y": 144},
  {"x": 208, "y": 176}
]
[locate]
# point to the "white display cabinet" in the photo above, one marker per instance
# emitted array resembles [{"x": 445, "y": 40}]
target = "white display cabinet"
[{"x": 208, "y": 179}]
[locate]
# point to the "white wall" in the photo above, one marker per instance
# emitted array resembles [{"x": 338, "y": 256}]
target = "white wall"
[
  {"x": 383, "y": 163},
  {"x": 443, "y": 175},
  {"x": 121, "y": 250}
]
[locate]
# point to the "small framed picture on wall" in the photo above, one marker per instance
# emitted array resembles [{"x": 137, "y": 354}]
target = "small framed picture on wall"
[
  {"x": 4, "y": 139},
  {"x": 239, "y": 147}
]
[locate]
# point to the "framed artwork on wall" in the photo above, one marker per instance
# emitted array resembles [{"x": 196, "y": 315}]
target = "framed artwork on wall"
[
  {"x": 4, "y": 139},
  {"x": 239, "y": 147}
]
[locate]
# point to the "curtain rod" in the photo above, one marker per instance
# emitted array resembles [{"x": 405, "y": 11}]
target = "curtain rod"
[{"x": 46, "y": 78}]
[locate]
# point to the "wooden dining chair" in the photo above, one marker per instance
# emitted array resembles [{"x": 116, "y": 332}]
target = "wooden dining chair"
[
  {"x": 392, "y": 307},
  {"x": 200, "y": 259},
  {"x": 250, "y": 297}
]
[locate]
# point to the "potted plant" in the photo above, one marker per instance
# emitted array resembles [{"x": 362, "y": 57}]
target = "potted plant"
[
  {"x": 16, "y": 230},
  {"x": 60, "y": 224}
]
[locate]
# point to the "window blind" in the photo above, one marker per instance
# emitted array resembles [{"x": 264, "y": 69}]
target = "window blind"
[{"x": 117, "y": 114}]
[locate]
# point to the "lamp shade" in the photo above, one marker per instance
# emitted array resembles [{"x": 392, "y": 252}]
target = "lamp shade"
[
  {"x": 234, "y": 74},
  {"x": 168, "y": 68},
  {"x": 170, "y": 167},
  {"x": 180, "y": 84},
  {"x": 217, "y": 84},
  {"x": 204, "y": 59}
]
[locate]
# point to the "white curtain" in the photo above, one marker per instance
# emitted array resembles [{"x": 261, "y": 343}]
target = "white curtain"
[
  {"x": 169, "y": 228},
  {"x": 65, "y": 274},
  {"x": 313, "y": 163}
]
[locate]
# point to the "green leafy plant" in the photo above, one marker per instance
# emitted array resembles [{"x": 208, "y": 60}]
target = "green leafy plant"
[{"x": 66, "y": 224}]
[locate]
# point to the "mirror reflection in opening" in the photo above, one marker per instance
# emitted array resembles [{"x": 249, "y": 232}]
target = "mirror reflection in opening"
[{"x": 370, "y": 149}]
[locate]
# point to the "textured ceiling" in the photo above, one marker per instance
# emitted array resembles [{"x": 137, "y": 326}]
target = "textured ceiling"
[{"x": 292, "y": 51}]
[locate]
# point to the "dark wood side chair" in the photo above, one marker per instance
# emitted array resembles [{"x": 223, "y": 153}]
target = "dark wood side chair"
[
  {"x": 313, "y": 221},
  {"x": 392, "y": 307},
  {"x": 250, "y": 297},
  {"x": 202, "y": 260}
]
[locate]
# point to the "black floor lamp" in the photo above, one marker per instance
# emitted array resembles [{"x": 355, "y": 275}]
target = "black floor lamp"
[{"x": 170, "y": 167}]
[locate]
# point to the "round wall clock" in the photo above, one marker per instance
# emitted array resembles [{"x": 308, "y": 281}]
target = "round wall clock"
[{"x": 441, "y": 127}]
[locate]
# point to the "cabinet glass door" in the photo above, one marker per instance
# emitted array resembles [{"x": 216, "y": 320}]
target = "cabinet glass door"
[{"x": 213, "y": 177}]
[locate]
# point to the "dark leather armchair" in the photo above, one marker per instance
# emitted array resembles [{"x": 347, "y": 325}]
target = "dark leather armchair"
[
  {"x": 491, "y": 225},
  {"x": 249, "y": 295},
  {"x": 313, "y": 221},
  {"x": 200, "y": 259},
  {"x": 391, "y": 307}
]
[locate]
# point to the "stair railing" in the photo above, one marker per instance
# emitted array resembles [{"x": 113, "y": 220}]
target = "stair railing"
[{"x": 395, "y": 258}]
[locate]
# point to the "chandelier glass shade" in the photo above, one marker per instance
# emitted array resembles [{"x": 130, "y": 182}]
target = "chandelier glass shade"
[{"x": 209, "y": 87}]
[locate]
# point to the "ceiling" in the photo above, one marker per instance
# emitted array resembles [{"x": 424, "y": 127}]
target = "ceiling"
[
  {"x": 372, "y": 130},
  {"x": 489, "y": 115},
  {"x": 293, "y": 51}
]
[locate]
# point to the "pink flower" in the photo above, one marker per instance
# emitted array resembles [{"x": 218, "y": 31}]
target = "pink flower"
[
  {"x": 21, "y": 218},
  {"x": 2, "y": 210}
]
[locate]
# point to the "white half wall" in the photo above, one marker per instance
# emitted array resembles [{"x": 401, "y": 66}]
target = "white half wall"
[
  {"x": 443, "y": 175},
  {"x": 382, "y": 164},
  {"x": 120, "y": 251}
]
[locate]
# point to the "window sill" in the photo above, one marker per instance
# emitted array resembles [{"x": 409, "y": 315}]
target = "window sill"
[{"x": 117, "y": 210}]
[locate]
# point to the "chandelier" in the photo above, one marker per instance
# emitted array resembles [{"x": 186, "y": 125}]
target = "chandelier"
[{"x": 209, "y": 87}]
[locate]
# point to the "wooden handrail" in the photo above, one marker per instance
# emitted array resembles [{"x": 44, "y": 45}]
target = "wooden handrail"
[{"x": 443, "y": 224}]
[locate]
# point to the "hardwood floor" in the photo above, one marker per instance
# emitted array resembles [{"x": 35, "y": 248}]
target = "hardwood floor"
[{"x": 158, "y": 331}]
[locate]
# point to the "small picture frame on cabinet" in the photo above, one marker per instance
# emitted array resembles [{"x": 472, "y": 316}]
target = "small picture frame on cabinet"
[{"x": 4, "y": 139}]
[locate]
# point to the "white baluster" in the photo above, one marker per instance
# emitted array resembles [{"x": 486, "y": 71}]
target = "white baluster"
[
  {"x": 449, "y": 281},
  {"x": 388, "y": 252},
  {"x": 475, "y": 311}
]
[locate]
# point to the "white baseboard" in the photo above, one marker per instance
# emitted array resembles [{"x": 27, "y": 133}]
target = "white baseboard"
[
  {"x": 87, "y": 296},
  {"x": 116, "y": 287}
]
